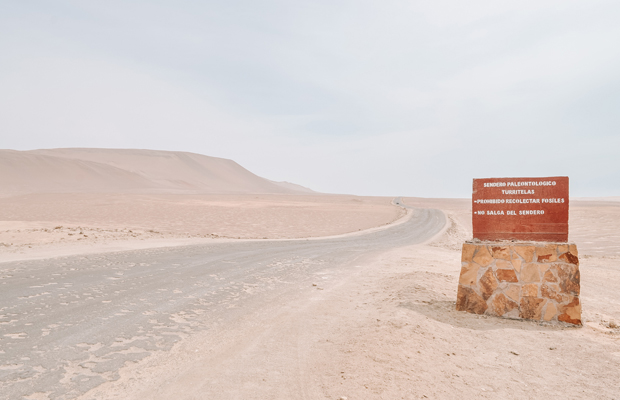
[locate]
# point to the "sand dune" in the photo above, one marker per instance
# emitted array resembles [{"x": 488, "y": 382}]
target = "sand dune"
[
  {"x": 95, "y": 199},
  {"x": 24, "y": 172},
  {"x": 129, "y": 171}
]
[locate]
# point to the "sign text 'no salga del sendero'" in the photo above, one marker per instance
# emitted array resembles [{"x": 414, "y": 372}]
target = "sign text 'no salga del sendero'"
[{"x": 533, "y": 209}]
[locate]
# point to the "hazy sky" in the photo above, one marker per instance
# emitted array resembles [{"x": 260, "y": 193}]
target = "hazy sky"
[{"x": 373, "y": 98}]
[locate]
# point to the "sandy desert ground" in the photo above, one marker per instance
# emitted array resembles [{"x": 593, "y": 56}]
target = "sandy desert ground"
[
  {"x": 389, "y": 330},
  {"x": 42, "y": 225},
  {"x": 69, "y": 201},
  {"x": 382, "y": 325}
]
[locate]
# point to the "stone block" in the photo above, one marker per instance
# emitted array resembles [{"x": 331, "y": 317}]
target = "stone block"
[
  {"x": 503, "y": 264},
  {"x": 546, "y": 253},
  {"x": 516, "y": 264},
  {"x": 549, "y": 276},
  {"x": 501, "y": 252},
  {"x": 573, "y": 249},
  {"x": 531, "y": 307},
  {"x": 530, "y": 273},
  {"x": 469, "y": 274},
  {"x": 569, "y": 258},
  {"x": 526, "y": 252},
  {"x": 488, "y": 284},
  {"x": 571, "y": 313},
  {"x": 483, "y": 257},
  {"x": 551, "y": 291},
  {"x": 521, "y": 280},
  {"x": 468, "y": 252},
  {"x": 529, "y": 290},
  {"x": 563, "y": 248},
  {"x": 569, "y": 278},
  {"x": 506, "y": 275},
  {"x": 501, "y": 304},
  {"x": 513, "y": 291},
  {"x": 468, "y": 300},
  {"x": 550, "y": 312}
]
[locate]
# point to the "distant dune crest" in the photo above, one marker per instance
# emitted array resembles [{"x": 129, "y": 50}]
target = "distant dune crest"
[{"x": 129, "y": 171}]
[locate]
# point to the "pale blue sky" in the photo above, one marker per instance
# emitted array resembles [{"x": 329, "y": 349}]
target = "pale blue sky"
[{"x": 374, "y": 98}]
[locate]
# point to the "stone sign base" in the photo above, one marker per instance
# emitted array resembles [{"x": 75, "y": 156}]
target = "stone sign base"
[{"x": 536, "y": 281}]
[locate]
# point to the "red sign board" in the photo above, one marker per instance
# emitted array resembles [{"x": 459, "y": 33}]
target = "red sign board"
[{"x": 530, "y": 209}]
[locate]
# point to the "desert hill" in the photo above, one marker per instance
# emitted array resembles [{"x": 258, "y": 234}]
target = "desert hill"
[{"x": 129, "y": 171}]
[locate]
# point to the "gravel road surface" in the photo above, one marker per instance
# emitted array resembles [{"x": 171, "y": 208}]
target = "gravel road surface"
[{"x": 69, "y": 324}]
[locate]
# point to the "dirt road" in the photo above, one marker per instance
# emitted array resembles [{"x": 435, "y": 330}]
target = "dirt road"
[{"x": 72, "y": 324}]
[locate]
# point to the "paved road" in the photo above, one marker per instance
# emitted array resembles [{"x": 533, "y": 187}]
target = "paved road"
[{"x": 69, "y": 324}]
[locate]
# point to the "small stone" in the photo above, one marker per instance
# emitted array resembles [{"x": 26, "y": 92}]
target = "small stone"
[
  {"x": 551, "y": 291},
  {"x": 501, "y": 305},
  {"x": 503, "y": 264},
  {"x": 516, "y": 264},
  {"x": 563, "y": 248},
  {"x": 513, "y": 292},
  {"x": 566, "y": 318},
  {"x": 572, "y": 248},
  {"x": 569, "y": 278},
  {"x": 483, "y": 257},
  {"x": 529, "y": 290},
  {"x": 571, "y": 313},
  {"x": 501, "y": 252},
  {"x": 506, "y": 275},
  {"x": 550, "y": 312},
  {"x": 530, "y": 273},
  {"x": 488, "y": 284},
  {"x": 469, "y": 274},
  {"x": 549, "y": 277},
  {"x": 531, "y": 307},
  {"x": 569, "y": 258},
  {"x": 546, "y": 253},
  {"x": 526, "y": 252},
  {"x": 468, "y": 300},
  {"x": 468, "y": 252}
]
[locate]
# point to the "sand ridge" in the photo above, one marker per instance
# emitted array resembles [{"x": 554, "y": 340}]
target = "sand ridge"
[{"x": 79, "y": 170}]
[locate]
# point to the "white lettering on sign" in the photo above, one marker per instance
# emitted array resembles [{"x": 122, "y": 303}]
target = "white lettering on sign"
[
  {"x": 519, "y": 201},
  {"x": 522, "y": 201},
  {"x": 520, "y": 208},
  {"x": 494, "y": 184},
  {"x": 519, "y": 184},
  {"x": 510, "y": 212},
  {"x": 518, "y": 191},
  {"x": 490, "y": 201},
  {"x": 531, "y": 212}
]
